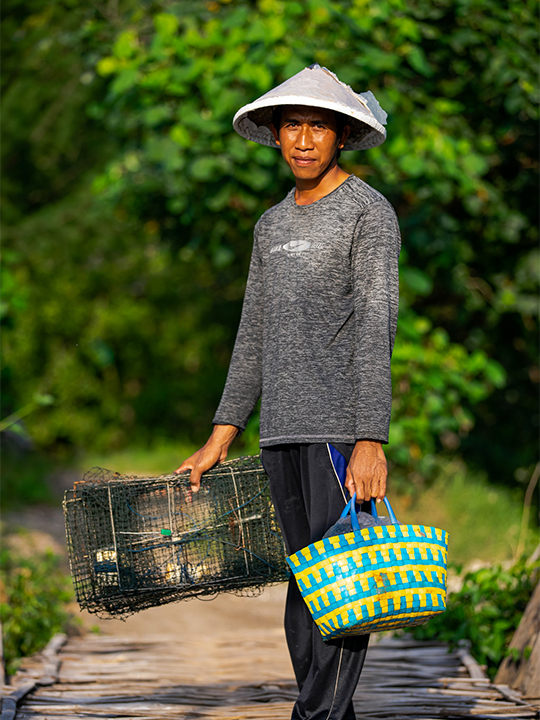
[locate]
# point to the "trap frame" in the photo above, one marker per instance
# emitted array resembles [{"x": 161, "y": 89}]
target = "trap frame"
[{"x": 137, "y": 542}]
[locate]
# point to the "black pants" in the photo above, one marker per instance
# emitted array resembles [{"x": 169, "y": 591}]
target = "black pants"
[{"x": 308, "y": 499}]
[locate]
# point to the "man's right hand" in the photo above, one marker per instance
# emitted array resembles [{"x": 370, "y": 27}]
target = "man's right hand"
[{"x": 212, "y": 452}]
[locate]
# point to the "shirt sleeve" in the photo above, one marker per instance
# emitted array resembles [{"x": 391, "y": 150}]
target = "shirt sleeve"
[
  {"x": 244, "y": 380},
  {"x": 376, "y": 296}
]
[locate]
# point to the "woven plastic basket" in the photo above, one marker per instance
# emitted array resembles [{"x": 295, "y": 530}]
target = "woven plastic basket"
[{"x": 378, "y": 578}]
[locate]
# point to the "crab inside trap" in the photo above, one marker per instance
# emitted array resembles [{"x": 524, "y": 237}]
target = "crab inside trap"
[{"x": 137, "y": 542}]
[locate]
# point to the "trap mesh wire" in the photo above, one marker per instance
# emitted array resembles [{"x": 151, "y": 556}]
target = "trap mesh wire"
[{"x": 137, "y": 542}]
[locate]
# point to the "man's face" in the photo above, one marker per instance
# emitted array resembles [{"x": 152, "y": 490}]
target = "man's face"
[{"x": 308, "y": 138}]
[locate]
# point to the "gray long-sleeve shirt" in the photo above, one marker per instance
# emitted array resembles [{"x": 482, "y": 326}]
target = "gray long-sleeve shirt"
[{"x": 318, "y": 321}]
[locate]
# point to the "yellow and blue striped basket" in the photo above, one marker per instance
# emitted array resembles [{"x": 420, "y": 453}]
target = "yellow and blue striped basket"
[{"x": 379, "y": 578}]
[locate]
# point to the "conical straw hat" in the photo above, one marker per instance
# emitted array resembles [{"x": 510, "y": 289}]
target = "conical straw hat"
[{"x": 316, "y": 86}]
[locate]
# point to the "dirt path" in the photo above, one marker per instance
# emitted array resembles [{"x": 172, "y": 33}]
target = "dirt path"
[
  {"x": 192, "y": 618},
  {"x": 43, "y": 528}
]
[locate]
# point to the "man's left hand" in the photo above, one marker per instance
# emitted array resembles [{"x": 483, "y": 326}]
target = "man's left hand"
[{"x": 367, "y": 471}]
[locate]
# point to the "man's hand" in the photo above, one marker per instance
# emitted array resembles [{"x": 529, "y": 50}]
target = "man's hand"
[
  {"x": 367, "y": 471},
  {"x": 212, "y": 452}
]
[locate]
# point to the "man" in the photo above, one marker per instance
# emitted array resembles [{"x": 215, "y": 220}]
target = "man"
[{"x": 315, "y": 341}]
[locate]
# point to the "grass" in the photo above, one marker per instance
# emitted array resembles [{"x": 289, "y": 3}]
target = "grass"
[
  {"x": 482, "y": 520},
  {"x": 162, "y": 459}
]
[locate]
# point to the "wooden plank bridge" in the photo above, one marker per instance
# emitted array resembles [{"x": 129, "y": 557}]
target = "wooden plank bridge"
[{"x": 239, "y": 677}]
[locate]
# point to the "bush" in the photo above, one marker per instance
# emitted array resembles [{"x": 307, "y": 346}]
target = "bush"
[
  {"x": 34, "y": 594},
  {"x": 486, "y": 612}
]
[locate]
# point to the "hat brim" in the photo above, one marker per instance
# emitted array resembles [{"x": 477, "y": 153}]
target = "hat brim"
[{"x": 252, "y": 121}]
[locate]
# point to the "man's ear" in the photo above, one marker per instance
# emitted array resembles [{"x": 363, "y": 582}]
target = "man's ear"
[
  {"x": 274, "y": 132},
  {"x": 344, "y": 135}
]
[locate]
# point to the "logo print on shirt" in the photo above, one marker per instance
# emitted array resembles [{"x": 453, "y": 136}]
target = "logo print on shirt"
[{"x": 297, "y": 246}]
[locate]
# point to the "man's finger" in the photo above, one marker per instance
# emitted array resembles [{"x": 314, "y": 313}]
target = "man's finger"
[
  {"x": 195, "y": 479},
  {"x": 361, "y": 494},
  {"x": 186, "y": 465},
  {"x": 382, "y": 474},
  {"x": 349, "y": 485},
  {"x": 374, "y": 489}
]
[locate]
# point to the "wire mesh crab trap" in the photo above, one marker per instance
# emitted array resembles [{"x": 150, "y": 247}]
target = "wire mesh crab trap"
[{"x": 137, "y": 542}]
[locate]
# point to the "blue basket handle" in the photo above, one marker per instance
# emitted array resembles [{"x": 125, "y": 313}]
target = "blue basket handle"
[
  {"x": 393, "y": 518},
  {"x": 350, "y": 507}
]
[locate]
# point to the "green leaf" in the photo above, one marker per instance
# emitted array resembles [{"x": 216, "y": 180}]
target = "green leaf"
[
  {"x": 107, "y": 66},
  {"x": 181, "y": 136},
  {"x": 418, "y": 62},
  {"x": 412, "y": 165},
  {"x": 496, "y": 373},
  {"x": 124, "y": 81},
  {"x": 166, "y": 24},
  {"x": 416, "y": 280},
  {"x": 126, "y": 45},
  {"x": 208, "y": 168},
  {"x": 475, "y": 164},
  {"x": 43, "y": 399},
  {"x": 157, "y": 115}
]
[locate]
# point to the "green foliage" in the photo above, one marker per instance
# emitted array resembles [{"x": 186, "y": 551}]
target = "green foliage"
[
  {"x": 435, "y": 384},
  {"x": 32, "y": 603},
  {"x": 128, "y": 345},
  {"x": 24, "y": 479},
  {"x": 124, "y": 305},
  {"x": 485, "y": 612}
]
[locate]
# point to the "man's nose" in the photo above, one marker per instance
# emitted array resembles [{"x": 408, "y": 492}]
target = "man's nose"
[{"x": 304, "y": 139}]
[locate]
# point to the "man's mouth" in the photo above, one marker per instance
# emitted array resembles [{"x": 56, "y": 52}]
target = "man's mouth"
[{"x": 304, "y": 160}]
